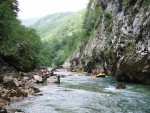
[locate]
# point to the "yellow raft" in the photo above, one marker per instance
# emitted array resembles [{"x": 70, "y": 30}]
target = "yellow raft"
[{"x": 101, "y": 75}]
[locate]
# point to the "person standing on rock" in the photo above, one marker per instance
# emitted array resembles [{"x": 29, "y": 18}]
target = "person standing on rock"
[{"x": 51, "y": 73}]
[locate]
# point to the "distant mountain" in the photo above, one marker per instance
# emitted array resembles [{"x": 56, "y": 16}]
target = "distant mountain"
[
  {"x": 48, "y": 23},
  {"x": 28, "y": 22}
]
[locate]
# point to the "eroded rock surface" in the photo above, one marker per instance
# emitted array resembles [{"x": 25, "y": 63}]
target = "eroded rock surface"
[{"x": 120, "y": 41}]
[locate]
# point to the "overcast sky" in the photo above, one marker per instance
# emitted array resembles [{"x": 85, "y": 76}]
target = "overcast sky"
[{"x": 40, "y": 8}]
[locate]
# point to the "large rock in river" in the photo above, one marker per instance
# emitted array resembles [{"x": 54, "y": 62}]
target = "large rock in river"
[
  {"x": 135, "y": 69},
  {"x": 38, "y": 78},
  {"x": 53, "y": 79}
]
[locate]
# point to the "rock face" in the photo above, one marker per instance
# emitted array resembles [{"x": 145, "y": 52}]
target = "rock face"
[
  {"x": 135, "y": 69},
  {"x": 120, "y": 43}
]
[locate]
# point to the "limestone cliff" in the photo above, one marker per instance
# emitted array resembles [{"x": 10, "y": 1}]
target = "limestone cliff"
[{"x": 120, "y": 43}]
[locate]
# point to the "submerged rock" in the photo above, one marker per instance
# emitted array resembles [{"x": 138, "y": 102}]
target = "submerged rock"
[{"x": 120, "y": 86}]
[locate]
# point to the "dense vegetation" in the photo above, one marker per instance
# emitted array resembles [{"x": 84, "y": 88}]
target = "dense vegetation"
[
  {"x": 60, "y": 34},
  {"x": 19, "y": 45},
  {"x": 46, "y": 25}
]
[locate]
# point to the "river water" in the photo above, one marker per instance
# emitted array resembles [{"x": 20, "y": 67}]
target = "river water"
[{"x": 85, "y": 94}]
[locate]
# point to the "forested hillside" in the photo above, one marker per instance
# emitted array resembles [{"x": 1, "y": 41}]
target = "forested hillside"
[
  {"x": 19, "y": 45},
  {"x": 48, "y": 23},
  {"x": 60, "y": 34}
]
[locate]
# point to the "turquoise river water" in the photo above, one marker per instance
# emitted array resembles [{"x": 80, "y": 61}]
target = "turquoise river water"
[{"x": 85, "y": 94}]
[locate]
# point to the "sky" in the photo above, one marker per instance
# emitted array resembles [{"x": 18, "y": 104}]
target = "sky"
[{"x": 39, "y": 8}]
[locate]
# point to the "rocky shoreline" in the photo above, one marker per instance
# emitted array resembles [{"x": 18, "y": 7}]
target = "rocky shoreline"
[{"x": 15, "y": 86}]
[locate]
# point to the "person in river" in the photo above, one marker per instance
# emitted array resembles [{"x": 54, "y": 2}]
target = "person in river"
[
  {"x": 51, "y": 73},
  {"x": 94, "y": 72}
]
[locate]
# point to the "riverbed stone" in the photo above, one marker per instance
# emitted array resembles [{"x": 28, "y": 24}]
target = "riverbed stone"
[
  {"x": 15, "y": 99},
  {"x": 38, "y": 78},
  {"x": 3, "y": 102},
  {"x": 53, "y": 79},
  {"x": 30, "y": 84},
  {"x": 25, "y": 78},
  {"x": 17, "y": 82},
  {"x": 8, "y": 78}
]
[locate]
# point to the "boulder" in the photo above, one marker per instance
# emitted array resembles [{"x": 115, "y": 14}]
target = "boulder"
[
  {"x": 15, "y": 99},
  {"x": 8, "y": 78},
  {"x": 3, "y": 103},
  {"x": 120, "y": 86},
  {"x": 25, "y": 78},
  {"x": 53, "y": 79},
  {"x": 17, "y": 82},
  {"x": 38, "y": 78},
  {"x": 33, "y": 90},
  {"x": 23, "y": 91},
  {"x": 135, "y": 69},
  {"x": 30, "y": 84}
]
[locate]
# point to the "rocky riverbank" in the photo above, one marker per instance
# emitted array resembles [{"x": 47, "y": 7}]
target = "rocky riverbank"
[{"x": 15, "y": 86}]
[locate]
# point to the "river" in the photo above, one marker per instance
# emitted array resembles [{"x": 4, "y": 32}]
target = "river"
[{"x": 85, "y": 94}]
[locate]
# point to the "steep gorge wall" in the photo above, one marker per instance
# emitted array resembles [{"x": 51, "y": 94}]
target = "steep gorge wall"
[{"x": 120, "y": 43}]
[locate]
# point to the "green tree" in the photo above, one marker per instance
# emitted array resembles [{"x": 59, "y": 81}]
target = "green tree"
[
  {"x": 8, "y": 13},
  {"x": 13, "y": 35}
]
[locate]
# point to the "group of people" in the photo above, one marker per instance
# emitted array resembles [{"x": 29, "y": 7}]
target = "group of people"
[
  {"x": 96, "y": 72},
  {"x": 47, "y": 71}
]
